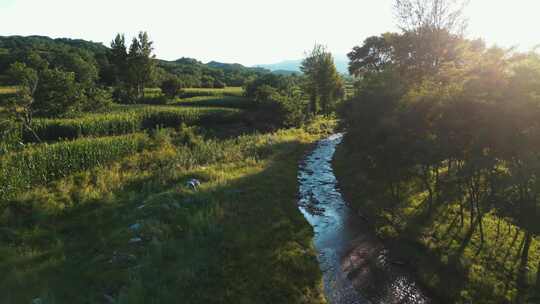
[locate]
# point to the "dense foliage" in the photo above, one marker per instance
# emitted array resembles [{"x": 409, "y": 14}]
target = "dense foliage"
[{"x": 450, "y": 127}]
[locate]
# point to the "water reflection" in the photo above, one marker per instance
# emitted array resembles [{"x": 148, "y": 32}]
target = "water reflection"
[{"x": 355, "y": 264}]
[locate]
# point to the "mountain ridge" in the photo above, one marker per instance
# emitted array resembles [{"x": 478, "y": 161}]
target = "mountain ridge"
[{"x": 293, "y": 65}]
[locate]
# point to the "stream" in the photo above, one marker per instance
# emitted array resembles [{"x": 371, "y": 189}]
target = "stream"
[{"x": 356, "y": 266}]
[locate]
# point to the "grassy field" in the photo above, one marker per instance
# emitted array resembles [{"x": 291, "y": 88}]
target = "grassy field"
[
  {"x": 8, "y": 90},
  {"x": 229, "y": 91},
  {"x": 109, "y": 219},
  {"x": 239, "y": 239},
  {"x": 445, "y": 254},
  {"x": 238, "y": 102},
  {"x": 127, "y": 119},
  {"x": 41, "y": 164}
]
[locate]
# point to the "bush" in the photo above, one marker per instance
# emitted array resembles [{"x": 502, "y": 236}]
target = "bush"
[
  {"x": 279, "y": 110},
  {"x": 124, "y": 95},
  {"x": 171, "y": 87},
  {"x": 218, "y": 84},
  {"x": 97, "y": 100},
  {"x": 278, "y": 82},
  {"x": 207, "y": 82}
]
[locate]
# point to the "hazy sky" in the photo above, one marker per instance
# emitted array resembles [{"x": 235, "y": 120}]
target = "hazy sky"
[{"x": 250, "y": 31}]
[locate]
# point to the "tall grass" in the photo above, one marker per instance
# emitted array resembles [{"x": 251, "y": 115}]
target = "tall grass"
[
  {"x": 133, "y": 120},
  {"x": 41, "y": 164},
  {"x": 8, "y": 89},
  {"x": 69, "y": 249},
  {"x": 239, "y": 102},
  {"x": 229, "y": 91}
]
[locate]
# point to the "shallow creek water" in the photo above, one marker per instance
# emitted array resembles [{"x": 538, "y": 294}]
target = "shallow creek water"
[{"x": 356, "y": 267}]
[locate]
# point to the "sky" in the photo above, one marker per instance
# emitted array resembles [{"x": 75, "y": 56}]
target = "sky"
[{"x": 251, "y": 31}]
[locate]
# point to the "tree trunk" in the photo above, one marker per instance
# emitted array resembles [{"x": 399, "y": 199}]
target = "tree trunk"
[
  {"x": 480, "y": 223},
  {"x": 427, "y": 185},
  {"x": 498, "y": 234},
  {"x": 522, "y": 283},
  {"x": 538, "y": 277},
  {"x": 313, "y": 103},
  {"x": 461, "y": 213}
]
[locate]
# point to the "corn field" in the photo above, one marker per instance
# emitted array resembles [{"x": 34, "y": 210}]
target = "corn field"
[
  {"x": 109, "y": 124},
  {"x": 44, "y": 163}
]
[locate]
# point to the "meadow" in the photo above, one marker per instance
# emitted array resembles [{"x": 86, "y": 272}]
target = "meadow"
[{"x": 102, "y": 213}]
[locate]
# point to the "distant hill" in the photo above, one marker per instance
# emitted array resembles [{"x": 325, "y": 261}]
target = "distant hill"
[
  {"x": 234, "y": 67},
  {"x": 66, "y": 53},
  {"x": 44, "y": 42},
  {"x": 194, "y": 73},
  {"x": 291, "y": 66}
]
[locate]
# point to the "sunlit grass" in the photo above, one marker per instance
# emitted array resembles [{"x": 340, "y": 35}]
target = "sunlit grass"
[
  {"x": 8, "y": 90},
  {"x": 240, "y": 236},
  {"x": 228, "y": 91},
  {"x": 454, "y": 266}
]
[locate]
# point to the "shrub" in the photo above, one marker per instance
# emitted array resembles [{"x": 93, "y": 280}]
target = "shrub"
[
  {"x": 124, "y": 95},
  {"x": 218, "y": 84},
  {"x": 171, "y": 87},
  {"x": 279, "y": 110},
  {"x": 97, "y": 99}
]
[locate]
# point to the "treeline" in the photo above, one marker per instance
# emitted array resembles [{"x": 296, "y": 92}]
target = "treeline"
[
  {"x": 192, "y": 73},
  {"x": 62, "y": 77},
  {"x": 448, "y": 121}
]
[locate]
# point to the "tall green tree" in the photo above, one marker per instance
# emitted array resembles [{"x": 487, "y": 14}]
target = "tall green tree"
[
  {"x": 118, "y": 57},
  {"x": 21, "y": 107},
  {"x": 141, "y": 63},
  {"x": 322, "y": 81}
]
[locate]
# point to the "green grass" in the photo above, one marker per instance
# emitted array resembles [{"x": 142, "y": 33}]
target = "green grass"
[
  {"x": 44, "y": 163},
  {"x": 125, "y": 120},
  {"x": 239, "y": 239},
  {"x": 8, "y": 90},
  {"x": 216, "y": 101},
  {"x": 228, "y": 91},
  {"x": 447, "y": 259},
  {"x": 199, "y": 92}
]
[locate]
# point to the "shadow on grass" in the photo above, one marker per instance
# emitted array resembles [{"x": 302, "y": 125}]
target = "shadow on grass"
[{"x": 218, "y": 101}]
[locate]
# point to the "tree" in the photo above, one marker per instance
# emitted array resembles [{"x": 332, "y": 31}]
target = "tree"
[
  {"x": 21, "y": 107},
  {"x": 82, "y": 64},
  {"x": 141, "y": 63},
  {"x": 373, "y": 56},
  {"x": 57, "y": 94},
  {"x": 171, "y": 87},
  {"x": 431, "y": 34},
  {"x": 207, "y": 81},
  {"x": 322, "y": 82},
  {"x": 118, "y": 57},
  {"x": 447, "y": 15}
]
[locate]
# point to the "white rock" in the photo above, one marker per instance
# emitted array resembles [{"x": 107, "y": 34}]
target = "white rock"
[
  {"x": 135, "y": 227},
  {"x": 135, "y": 240},
  {"x": 193, "y": 183}
]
